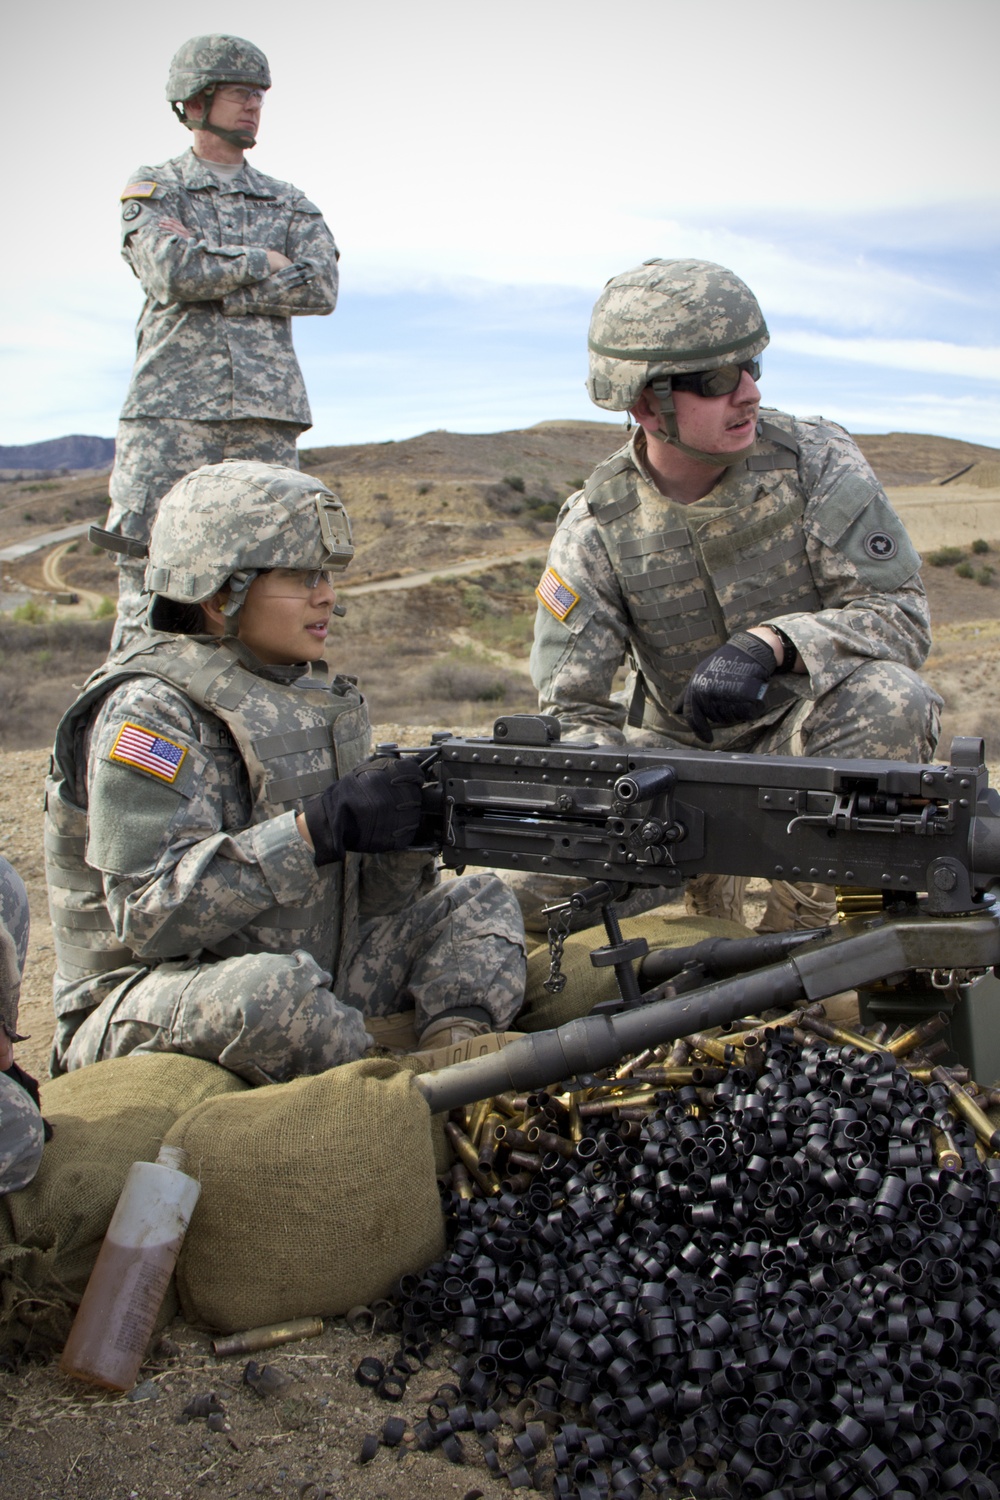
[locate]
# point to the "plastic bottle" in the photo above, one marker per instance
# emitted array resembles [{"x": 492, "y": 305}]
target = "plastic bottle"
[{"x": 130, "y": 1277}]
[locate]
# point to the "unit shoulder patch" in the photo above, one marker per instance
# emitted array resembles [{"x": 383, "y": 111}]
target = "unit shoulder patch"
[
  {"x": 145, "y": 750},
  {"x": 557, "y": 596},
  {"x": 140, "y": 190},
  {"x": 880, "y": 545}
]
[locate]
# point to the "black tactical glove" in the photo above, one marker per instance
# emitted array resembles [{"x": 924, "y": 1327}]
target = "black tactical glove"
[
  {"x": 728, "y": 687},
  {"x": 30, "y": 1086},
  {"x": 373, "y": 809}
]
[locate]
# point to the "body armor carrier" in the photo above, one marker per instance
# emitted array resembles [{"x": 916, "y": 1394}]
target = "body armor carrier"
[
  {"x": 692, "y": 575},
  {"x": 327, "y": 734}
]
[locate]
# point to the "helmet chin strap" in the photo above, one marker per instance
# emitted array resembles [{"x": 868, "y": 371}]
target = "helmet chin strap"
[
  {"x": 669, "y": 433},
  {"x": 239, "y": 583},
  {"x": 241, "y": 138}
]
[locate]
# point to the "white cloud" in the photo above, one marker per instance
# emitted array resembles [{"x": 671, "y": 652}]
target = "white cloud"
[{"x": 928, "y": 355}]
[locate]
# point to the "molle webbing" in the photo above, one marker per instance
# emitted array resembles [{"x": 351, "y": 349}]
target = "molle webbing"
[
  {"x": 693, "y": 575},
  {"x": 328, "y": 735}
]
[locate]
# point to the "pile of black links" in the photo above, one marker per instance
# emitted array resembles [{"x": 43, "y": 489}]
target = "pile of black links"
[{"x": 769, "y": 1288}]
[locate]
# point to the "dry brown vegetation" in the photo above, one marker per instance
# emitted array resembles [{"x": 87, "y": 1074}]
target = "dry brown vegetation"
[{"x": 450, "y": 653}]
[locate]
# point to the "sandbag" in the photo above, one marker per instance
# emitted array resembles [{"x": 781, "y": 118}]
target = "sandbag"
[
  {"x": 104, "y": 1118},
  {"x": 585, "y": 985},
  {"x": 317, "y": 1195}
]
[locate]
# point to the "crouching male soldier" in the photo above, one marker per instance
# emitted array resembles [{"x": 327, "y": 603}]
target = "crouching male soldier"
[
  {"x": 745, "y": 563},
  {"x": 22, "y": 1129},
  {"x": 227, "y": 257},
  {"x": 228, "y": 874}
]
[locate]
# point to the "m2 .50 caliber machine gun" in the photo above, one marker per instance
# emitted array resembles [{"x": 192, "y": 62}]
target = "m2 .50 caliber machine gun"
[{"x": 925, "y": 838}]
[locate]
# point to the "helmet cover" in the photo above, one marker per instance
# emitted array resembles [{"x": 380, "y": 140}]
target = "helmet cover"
[
  {"x": 204, "y": 61},
  {"x": 242, "y": 517},
  {"x": 669, "y": 317}
]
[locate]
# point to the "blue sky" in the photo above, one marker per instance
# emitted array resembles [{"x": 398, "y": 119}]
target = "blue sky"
[{"x": 486, "y": 168}]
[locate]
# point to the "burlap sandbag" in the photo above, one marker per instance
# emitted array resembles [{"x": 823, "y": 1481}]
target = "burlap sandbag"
[
  {"x": 105, "y": 1117},
  {"x": 585, "y": 985},
  {"x": 317, "y": 1196}
]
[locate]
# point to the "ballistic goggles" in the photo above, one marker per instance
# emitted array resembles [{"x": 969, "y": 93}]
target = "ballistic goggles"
[{"x": 720, "y": 382}]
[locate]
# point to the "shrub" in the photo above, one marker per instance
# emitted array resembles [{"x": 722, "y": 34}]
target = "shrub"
[
  {"x": 31, "y": 612},
  {"x": 979, "y": 546},
  {"x": 103, "y": 611},
  {"x": 460, "y": 683},
  {"x": 514, "y": 482},
  {"x": 945, "y": 557},
  {"x": 965, "y": 570},
  {"x": 424, "y": 489},
  {"x": 984, "y": 576}
]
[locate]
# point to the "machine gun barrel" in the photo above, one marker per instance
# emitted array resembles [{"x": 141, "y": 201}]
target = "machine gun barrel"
[{"x": 860, "y": 953}]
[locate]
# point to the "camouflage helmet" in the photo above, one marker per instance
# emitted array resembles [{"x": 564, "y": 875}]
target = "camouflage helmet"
[
  {"x": 204, "y": 61},
  {"x": 225, "y": 523},
  {"x": 669, "y": 317}
]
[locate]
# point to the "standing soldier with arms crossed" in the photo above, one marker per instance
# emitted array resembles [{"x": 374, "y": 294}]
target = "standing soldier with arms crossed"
[
  {"x": 227, "y": 257},
  {"x": 745, "y": 563}
]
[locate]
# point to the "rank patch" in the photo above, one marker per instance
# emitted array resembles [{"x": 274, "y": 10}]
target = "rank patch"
[
  {"x": 881, "y": 545},
  {"x": 139, "y": 190},
  {"x": 557, "y": 596},
  {"x": 149, "y": 752}
]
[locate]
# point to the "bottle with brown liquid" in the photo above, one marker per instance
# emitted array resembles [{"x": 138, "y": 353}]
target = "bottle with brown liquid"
[{"x": 133, "y": 1269}]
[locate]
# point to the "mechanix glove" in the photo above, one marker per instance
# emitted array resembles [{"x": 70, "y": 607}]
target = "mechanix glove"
[
  {"x": 373, "y": 809},
  {"x": 728, "y": 687},
  {"x": 30, "y": 1086}
]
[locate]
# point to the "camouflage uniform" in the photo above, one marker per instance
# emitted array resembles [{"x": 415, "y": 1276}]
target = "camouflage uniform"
[
  {"x": 216, "y": 375},
  {"x": 21, "y": 1128},
  {"x": 797, "y": 534},
  {"x": 805, "y": 539},
  {"x": 199, "y": 922}
]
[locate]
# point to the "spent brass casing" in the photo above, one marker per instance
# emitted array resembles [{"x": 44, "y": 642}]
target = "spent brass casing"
[
  {"x": 678, "y": 1077},
  {"x": 469, "y": 1157},
  {"x": 461, "y": 1181},
  {"x": 619, "y": 1101},
  {"x": 918, "y": 1035},
  {"x": 511, "y": 1136},
  {"x": 508, "y": 1104},
  {"x": 525, "y": 1161},
  {"x": 722, "y": 1051},
  {"x": 980, "y": 1122},
  {"x": 487, "y": 1145},
  {"x": 842, "y": 1035},
  {"x": 268, "y": 1337},
  {"x": 575, "y": 1120},
  {"x": 926, "y": 1075},
  {"x": 545, "y": 1140},
  {"x": 517, "y": 1182},
  {"x": 628, "y": 1067},
  {"x": 946, "y": 1153},
  {"x": 477, "y": 1116},
  {"x": 679, "y": 1053}
]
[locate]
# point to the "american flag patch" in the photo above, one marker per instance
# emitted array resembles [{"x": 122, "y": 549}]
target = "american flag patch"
[
  {"x": 139, "y": 190},
  {"x": 147, "y": 751},
  {"x": 556, "y": 595}
]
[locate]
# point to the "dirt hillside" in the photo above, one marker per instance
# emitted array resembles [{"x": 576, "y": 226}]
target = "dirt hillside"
[{"x": 434, "y": 649}]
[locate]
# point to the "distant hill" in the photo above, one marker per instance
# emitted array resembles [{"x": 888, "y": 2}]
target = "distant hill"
[
  {"x": 918, "y": 458},
  {"x": 559, "y": 452},
  {"x": 76, "y": 452}
]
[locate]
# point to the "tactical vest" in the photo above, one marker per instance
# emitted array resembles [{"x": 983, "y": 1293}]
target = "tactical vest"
[
  {"x": 324, "y": 733},
  {"x": 692, "y": 575}
]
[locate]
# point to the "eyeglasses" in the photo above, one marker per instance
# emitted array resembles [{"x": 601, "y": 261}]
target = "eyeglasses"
[
  {"x": 720, "y": 382},
  {"x": 298, "y": 581},
  {"x": 239, "y": 93}
]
